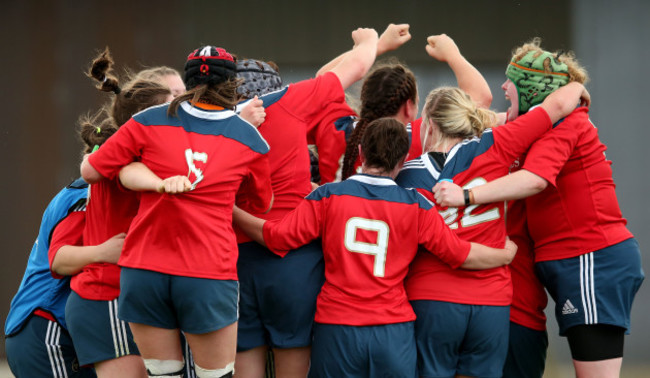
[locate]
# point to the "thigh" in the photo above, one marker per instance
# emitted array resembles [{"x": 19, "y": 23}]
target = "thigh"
[
  {"x": 485, "y": 346},
  {"x": 595, "y": 288},
  {"x": 338, "y": 351},
  {"x": 392, "y": 350},
  {"x": 216, "y": 349},
  {"x": 526, "y": 352},
  {"x": 204, "y": 305},
  {"x": 439, "y": 332},
  {"x": 98, "y": 334},
  {"x": 145, "y": 298},
  {"x": 285, "y": 292},
  {"x": 43, "y": 348}
]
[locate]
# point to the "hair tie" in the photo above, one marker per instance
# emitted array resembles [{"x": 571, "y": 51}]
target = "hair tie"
[
  {"x": 105, "y": 78},
  {"x": 98, "y": 130},
  {"x": 559, "y": 54}
]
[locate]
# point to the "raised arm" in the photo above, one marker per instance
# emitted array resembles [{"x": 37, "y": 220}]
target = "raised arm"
[
  {"x": 138, "y": 177},
  {"x": 391, "y": 39},
  {"x": 443, "y": 48},
  {"x": 357, "y": 63},
  {"x": 70, "y": 259},
  {"x": 483, "y": 257}
]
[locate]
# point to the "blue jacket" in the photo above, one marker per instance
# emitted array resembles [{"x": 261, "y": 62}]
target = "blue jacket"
[{"x": 38, "y": 288}]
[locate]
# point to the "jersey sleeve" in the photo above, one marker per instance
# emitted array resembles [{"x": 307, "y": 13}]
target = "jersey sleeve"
[
  {"x": 437, "y": 238},
  {"x": 330, "y": 137},
  {"x": 549, "y": 154},
  {"x": 295, "y": 229},
  {"x": 68, "y": 232},
  {"x": 307, "y": 99},
  {"x": 255, "y": 193},
  {"x": 120, "y": 149},
  {"x": 514, "y": 138}
]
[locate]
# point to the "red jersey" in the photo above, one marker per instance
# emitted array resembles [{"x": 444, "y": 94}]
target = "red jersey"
[
  {"x": 330, "y": 134},
  {"x": 110, "y": 211},
  {"x": 471, "y": 163},
  {"x": 189, "y": 234},
  {"x": 370, "y": 230},
  {"x": 68, "y": 232},
  {"x": 528, "y": 296},
  {"x": 578, "y": 212},
  {"x": 289, "y": 113},
  {"x": 413, "y": 129}
]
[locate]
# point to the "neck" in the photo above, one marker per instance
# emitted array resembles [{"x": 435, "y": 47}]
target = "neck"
[
  {"x": 445, "y": 145},
  {"x": 379, "y": 172}
]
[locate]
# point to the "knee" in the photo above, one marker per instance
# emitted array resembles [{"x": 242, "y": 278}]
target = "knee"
[
  {"x": 164, "y": 368},
  {"x": 226, "y": 372}
]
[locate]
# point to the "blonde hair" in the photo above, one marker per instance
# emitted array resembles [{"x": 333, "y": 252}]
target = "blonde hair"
[
  {"x": 576, "y": 71},
  {"x": 456, "y": 115}
]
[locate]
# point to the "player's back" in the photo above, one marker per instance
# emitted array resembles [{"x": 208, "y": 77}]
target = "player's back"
[{"x": 371, "y": 231}]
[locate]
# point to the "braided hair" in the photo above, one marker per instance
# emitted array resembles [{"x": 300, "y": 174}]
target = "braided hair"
[
  {"x": 136, "y": 95},
  {"x": 384, "y": 91}
]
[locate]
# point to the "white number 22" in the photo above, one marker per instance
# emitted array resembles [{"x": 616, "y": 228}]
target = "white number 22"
[
  {"x": 377, "y": 249},
  {"x": 451, "y": 214}
]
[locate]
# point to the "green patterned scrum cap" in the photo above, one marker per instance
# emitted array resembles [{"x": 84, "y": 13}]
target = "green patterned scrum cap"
[{"x": 532, "y": 81}]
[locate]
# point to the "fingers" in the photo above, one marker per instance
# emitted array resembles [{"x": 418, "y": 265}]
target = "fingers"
[{"x": 176, "y": 184}]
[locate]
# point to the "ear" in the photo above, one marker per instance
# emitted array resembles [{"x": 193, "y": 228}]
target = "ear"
[
  {"x": 362, "y": 157},
  {"x": 410, "y": 110}
]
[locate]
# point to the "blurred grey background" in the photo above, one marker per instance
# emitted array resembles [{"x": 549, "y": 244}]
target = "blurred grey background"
[{"x": 46, "y": 45}]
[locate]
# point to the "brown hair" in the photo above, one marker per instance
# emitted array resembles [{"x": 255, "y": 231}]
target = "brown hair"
[
  {"x": 96, "y": 128},
  {"x": 223, "y": 94},
  {"x": 455, "y": 114},
  {"x": 384, "y": 144},
  {"x": 156, "y": 73},
  {"x": 576, "y": 71},
  {"x": 384, "y": 91},
  {"x": 136, "y": 95}
]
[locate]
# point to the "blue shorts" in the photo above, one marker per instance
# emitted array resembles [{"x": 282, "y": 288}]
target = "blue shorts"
[
  {"x": 193, "y": 305},
  {"x": 96, "y": 331},
  {"x": 462, "y": 339},
  {"x": 42, "y": 348},
  {"x": 595, "y": 288},
  {"x": 278, "y": 296},
  {"x": 370, "y": 351},
  {"x": 526, "y": 352}
]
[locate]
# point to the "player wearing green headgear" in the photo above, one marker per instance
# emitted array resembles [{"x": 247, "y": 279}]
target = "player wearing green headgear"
[{"x": 584, "y": 254}]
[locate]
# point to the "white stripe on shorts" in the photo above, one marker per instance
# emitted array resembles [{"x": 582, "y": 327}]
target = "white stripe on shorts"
[
  {"x": 54, "y": 352},
  {"x": 587, "y": 291},
  {"x": 118, "y": 329}
]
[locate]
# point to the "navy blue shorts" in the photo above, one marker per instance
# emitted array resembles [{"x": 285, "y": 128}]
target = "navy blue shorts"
[
  {"x": 193, "y": 305},
  {"x": 370, "y": 351},
  {"x": 462, "y": 339},
  {"x": 97, "y": 332},
  {"x": 595, "y": 288},
  {"x": 526, "y": 352},
  {"x": 42, "y": 348},
  {"x": 278, "y": 296}
]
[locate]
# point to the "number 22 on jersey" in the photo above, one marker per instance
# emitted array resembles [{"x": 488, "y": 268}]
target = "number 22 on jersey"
[
  {"x": 451, "y": 214},
  {"x": 377, "y": 249}
]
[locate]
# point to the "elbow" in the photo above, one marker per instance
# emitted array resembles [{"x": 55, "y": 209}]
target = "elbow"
[
  {"x": 90, "y": 174},
  {"x": 538, "y": 184},
  {"x": 485, "y": 100}
]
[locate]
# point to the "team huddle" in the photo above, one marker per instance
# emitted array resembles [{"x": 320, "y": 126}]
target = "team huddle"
[{"x": 222, "y": 215}]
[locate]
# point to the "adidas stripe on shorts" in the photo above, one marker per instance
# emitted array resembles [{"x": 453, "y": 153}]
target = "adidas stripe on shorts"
[
  {"x": 44, "y": 349},
  {"x": 594, "y": 288},
  {"x": 98, "y": 334}
]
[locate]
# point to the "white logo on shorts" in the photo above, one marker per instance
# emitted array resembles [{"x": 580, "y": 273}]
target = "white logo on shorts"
[{"x": 568, "y": 308}]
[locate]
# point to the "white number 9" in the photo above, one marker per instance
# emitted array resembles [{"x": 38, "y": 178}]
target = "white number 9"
[{"x": 377, "y": 249}]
